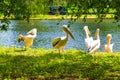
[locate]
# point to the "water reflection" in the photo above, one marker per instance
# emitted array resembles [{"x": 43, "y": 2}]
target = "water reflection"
[{"x": 48, "y": 29}]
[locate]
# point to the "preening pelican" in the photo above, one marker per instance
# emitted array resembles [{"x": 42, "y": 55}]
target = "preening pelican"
[
  {"x": 95, "y": 44},
  {"x": 29, "y": 38},
  {"x": 60, "y": 42},
  {"x": 88, "y": 39},
  {"x": 108, "y": 47},
  {"x": 33, "y": 32}
]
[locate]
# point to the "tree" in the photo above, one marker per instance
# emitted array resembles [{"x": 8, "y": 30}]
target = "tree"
[
  {"x": 5, "y": 11},
  {"x": 24, "y": 9},
  {"x": 99, "y": 7}
]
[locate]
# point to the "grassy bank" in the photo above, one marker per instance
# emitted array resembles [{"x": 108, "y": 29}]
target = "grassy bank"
[
  {"x": 37, "y": 64},
  {"x": 55, "y": 17}
]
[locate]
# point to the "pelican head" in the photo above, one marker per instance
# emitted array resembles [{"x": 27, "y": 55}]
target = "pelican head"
[
  {"x": 20, "y": 38},
  {"x": 97, "y": 33},
  {"x": 87, "y": 30},
  {"x": 67, "y": 31},
  {"x": 109, "y": 36}
]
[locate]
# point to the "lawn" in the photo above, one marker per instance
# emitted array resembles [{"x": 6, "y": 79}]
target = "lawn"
[
  {"x": 62, "y": 17},
  {"x": 55, "y": 17},
  {"x": 42, "y": 64}
]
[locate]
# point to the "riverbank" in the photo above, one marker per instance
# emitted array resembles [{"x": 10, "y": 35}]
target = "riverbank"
[
  {"x": 56, "y": 17},
  {"x": 42, "y": 64},
  {"x": 66, "y": 17}
]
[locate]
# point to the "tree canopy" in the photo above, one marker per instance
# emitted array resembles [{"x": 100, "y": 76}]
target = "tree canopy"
[{"x": 23, "y": 9}]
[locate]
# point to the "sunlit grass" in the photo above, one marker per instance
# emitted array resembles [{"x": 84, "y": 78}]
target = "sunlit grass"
[
  {"x": 63, "y": 17},
  {"x": 39, "y": 63},
  {"x": 54, "y": 17}
]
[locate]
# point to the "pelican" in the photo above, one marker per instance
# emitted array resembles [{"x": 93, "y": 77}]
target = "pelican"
[
  {"x": 60, "y": 42},
  {"x": 95, "y": 44},
  {"x": 108, "y": 47},
  {"x": 29, "y": 38},
  {"x": 88, "y": 39}
]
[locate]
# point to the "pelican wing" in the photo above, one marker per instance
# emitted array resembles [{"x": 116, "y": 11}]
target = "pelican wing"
[
  {"x": 56, "y": 41},
  {"x": 30, "y": 36},
  {"x": 111, "y": 47},
  {"x": 32, "y": 32},
  {"x": 28, "y": 41},
  {"x": 94, "y": 46},
  {"x": 88, "y": 41}
]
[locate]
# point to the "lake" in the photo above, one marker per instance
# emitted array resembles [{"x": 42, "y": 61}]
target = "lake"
[{"x": 49, "y": 29}]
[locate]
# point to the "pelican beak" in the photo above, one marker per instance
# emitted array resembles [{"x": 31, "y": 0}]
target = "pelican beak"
[
  {"x": 109, "y": 36},
  {"x": 96, "y": 33},
  {"x": 88, "y": 31},
  {"x": 67, "y": 30}
]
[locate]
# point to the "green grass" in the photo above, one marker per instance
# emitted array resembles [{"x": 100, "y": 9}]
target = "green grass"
[
  {"x": 42, "y": 64},
  {"x": 55, "y": 17},
  {"x": 62, "y": 17}
]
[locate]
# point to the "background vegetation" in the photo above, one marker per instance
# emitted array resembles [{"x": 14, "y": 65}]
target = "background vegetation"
[{"x": 24, "y": 9}]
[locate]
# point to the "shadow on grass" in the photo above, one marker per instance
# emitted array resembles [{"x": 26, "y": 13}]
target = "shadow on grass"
[
  {"x": 22, "y": 50},
  {"x": 52, "y": 66}
]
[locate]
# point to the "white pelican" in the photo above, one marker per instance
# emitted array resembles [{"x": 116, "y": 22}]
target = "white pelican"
[
  {"x": 108, "y": 47},
  {"x": 60, "y": 42},
  {"x": 88, "y": 39},
  {"x": 28, "y": 39},
  {"x": 95, "y": 44}
]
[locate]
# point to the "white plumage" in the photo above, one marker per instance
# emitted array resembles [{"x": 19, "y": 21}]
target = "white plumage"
[
  {"x": 108, "y": 47},
  {"x": 29, "y": 38},
  {"x": 95, "y": 44},
  {"x": 60, "y": 42},
  {"x": 88, "y": 39}
]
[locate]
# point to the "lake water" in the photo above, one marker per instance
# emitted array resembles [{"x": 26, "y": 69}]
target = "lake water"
[{"x": 49, "y": 29}]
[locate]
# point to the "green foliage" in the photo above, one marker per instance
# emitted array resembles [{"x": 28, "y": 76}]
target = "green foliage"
[
  {"x": 24, "y": 9},
  {"x": 49, "y": 64},
  {"x": 98, "y": 7}
]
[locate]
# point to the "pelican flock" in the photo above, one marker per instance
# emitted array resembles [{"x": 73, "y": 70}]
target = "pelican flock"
[
  {"x": 88, "y": 39},
  {"x": 92, "y": 44},
  {"x": 95, "y": 44},
  {"x": 108, "y": 47},
  {"x": 28, "y": 38},
  {"x": 60, "y": 42}
]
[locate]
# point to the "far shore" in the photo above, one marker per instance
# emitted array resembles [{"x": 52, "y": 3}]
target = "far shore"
[
  {"x": 64, "y": 17},
  {"x": 67, "y": 17}
]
